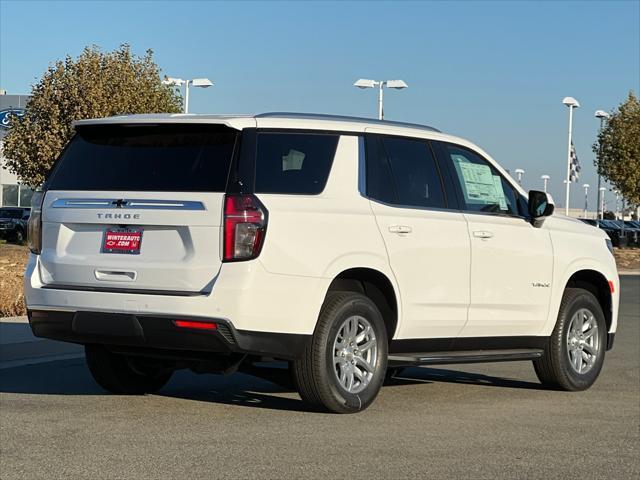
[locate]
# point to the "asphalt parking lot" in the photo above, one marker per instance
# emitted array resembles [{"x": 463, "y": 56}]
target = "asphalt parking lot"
[{"x": 479, "y": 421}]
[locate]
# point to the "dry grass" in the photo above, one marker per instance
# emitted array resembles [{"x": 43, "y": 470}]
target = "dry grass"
[
  {"x": 12, "y": 263},
  {"x": 627, "y": 258},
  {"x": 14, "y": 257}
]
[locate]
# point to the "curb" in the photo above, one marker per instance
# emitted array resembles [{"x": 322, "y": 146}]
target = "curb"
[{"x": 631, "y": 272}]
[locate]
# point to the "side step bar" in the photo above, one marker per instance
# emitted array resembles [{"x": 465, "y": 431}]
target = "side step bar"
[{"x": 476, "y": 356}]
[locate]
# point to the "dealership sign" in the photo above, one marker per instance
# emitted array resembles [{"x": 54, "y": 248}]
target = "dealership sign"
[{"x": 5, "y": 116}]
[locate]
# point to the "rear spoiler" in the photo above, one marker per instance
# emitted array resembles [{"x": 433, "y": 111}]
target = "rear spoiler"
[{"x": 237, "y": 122}]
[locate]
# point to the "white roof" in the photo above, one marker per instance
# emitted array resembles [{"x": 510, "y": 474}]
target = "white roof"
[{"x": 268, "y": 120}]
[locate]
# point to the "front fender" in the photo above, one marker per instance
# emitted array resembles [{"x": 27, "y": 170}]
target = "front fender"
[{"x": 562, "y": 275}]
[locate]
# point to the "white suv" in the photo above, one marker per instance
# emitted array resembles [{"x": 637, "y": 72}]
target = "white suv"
[{"x": 348, "y": 247}]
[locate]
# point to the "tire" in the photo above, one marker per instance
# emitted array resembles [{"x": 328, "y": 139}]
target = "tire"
[
  {"x": 323, "y": 384},
  {"x": 568, "y": 362},
  {"x": 120, "y": 375},
  {"x": 19, "y": 237}
]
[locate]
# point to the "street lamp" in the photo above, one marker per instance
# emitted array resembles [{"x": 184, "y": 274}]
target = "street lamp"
[
  {"x": 602, "y": 115},
  {"x": 571, "y": 103},
  {"x": 365, "y": 83},
  {"x": 601, "y": 191},
  {"x": 520, "y": 174},
  {"x": 545, "y": 178},
  {"x": 617, "y": 193},
  {"x": 586, "y": 198},
  {"x": 196, "y": 82}
]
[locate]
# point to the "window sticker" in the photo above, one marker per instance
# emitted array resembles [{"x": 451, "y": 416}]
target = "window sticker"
[
  {"x": 502, "y": 199},
  {"x": 292, "y": 160},
  {"x": 479, "y": 185}
]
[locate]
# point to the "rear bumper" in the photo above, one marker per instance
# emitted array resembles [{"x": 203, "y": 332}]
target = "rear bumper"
[
  {"x": 243, "y": 293},
  {"x": 160, "y": 333}
]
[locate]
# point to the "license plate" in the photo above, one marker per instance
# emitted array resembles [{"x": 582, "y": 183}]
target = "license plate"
[{"x": 122, "y": 240}]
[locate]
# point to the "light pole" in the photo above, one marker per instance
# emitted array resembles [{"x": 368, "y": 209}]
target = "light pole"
[
  {"x": 586, "y": 198},
  {"x": 545, "y": 178},
  {"x": 601, "y": 191},
  {"x": 602, "y": 115},
  {"x": 196, "y": 82},
  {"x": 617, "y": 201},
  {"x": 571, "y": 103},
  {"x": 381, "y": 84},
  {"x": 520, "y": 174}
]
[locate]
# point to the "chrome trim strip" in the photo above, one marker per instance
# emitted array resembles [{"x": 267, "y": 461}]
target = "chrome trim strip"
[
  {"x": 137, "y": 291},
  {"x": 128, "y": 204}
]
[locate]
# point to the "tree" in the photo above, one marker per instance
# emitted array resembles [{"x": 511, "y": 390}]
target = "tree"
[
  {"x": 618, "y": 150},
  {"x": 96, "y": 84}
]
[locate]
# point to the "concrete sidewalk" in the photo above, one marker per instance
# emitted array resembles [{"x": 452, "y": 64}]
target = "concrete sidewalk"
[{"x": 18, "y": 346}]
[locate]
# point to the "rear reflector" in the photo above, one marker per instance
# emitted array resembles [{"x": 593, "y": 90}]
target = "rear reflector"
[
  {"x": 611, "y": 286},
  {"x": 196, "y": 325}
]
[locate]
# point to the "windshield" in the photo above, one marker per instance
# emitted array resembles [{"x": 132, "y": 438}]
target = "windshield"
[{"x": 172, "y": 157}]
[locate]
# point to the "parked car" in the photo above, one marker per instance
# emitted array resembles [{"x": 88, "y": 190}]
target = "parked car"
[
  {"x": 13, "y": 223},
  {"x": 348, "y": 247},
  {"x": 616, "y": 233},
  {"x": 629, "y": 233},
  {"x": 633, "y": 231}
]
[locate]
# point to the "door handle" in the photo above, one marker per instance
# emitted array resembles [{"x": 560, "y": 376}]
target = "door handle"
[
  {"x": 482, "y": 234},
  {"x": 400, "y": 229}
]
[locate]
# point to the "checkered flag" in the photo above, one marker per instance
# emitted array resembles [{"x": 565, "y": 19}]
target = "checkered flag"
[{"x": 575, "y": 165}]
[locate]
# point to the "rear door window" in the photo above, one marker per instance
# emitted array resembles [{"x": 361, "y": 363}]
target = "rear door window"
[
  {"x": 404, "y": 171},
  {"x": 174, "y": 157},
  {"x": 294, "y": 162}
]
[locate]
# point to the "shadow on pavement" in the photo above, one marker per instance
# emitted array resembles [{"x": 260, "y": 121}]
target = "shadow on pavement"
[
  {"x": 71, "y": 377},
  {"x": 415, "y": 375}
]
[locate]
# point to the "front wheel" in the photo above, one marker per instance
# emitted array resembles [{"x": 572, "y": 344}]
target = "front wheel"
[
  {"x": 125, "y": 376},
  {"x": 344, "y": 367},
  {"x": 575, "y": 353}
]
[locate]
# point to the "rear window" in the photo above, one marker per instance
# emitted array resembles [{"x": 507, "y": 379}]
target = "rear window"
[
  {"x": 294, "y": 163},
  {"x": 10, "y": 213},
  {"x": 179, "y": 158}
]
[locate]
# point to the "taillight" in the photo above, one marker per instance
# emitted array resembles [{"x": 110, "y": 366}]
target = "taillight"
[
  {"x": 34, "y": 225},
  {"x": 245, "y": 224}
]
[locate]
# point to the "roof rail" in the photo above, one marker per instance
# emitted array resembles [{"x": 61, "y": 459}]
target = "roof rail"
[{"x": 343, "y": 118}]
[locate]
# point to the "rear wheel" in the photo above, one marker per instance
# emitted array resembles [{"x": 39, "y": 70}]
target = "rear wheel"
[
  {"x": 575, "y": 353},
  {"x": 122, "y": 375},
  {"x": 344, "y": 367}
]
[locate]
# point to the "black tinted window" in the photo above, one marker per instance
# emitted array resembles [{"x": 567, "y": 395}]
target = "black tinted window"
[
  {"x": 10, "y": 213},
  {"x": 380, "y": 185},
  {"x": 181, "y": 158},
  {"x": 294, "y": 162},
  {"x": 482, "y": 187},
  {"x": 405, "y": 173}
]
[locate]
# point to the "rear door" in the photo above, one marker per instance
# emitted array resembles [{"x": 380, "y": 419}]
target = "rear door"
[
  {"x": 137, "y": 207},
  {"x": 427, "y": 243}
]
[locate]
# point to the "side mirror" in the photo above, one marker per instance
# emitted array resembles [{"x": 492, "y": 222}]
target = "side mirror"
[{"x": 541, "y": 206}]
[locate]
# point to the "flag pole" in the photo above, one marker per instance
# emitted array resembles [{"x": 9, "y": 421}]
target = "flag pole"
[
  {"x": 568, "y": 186},
  {"x": 571, "y": 103}
]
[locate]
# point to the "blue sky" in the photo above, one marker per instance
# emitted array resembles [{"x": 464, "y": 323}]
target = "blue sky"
[{"x": 492, "y": 72}]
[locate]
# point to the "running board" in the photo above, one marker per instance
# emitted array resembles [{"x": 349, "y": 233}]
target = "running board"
[{"x": 476, "y": 356}]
